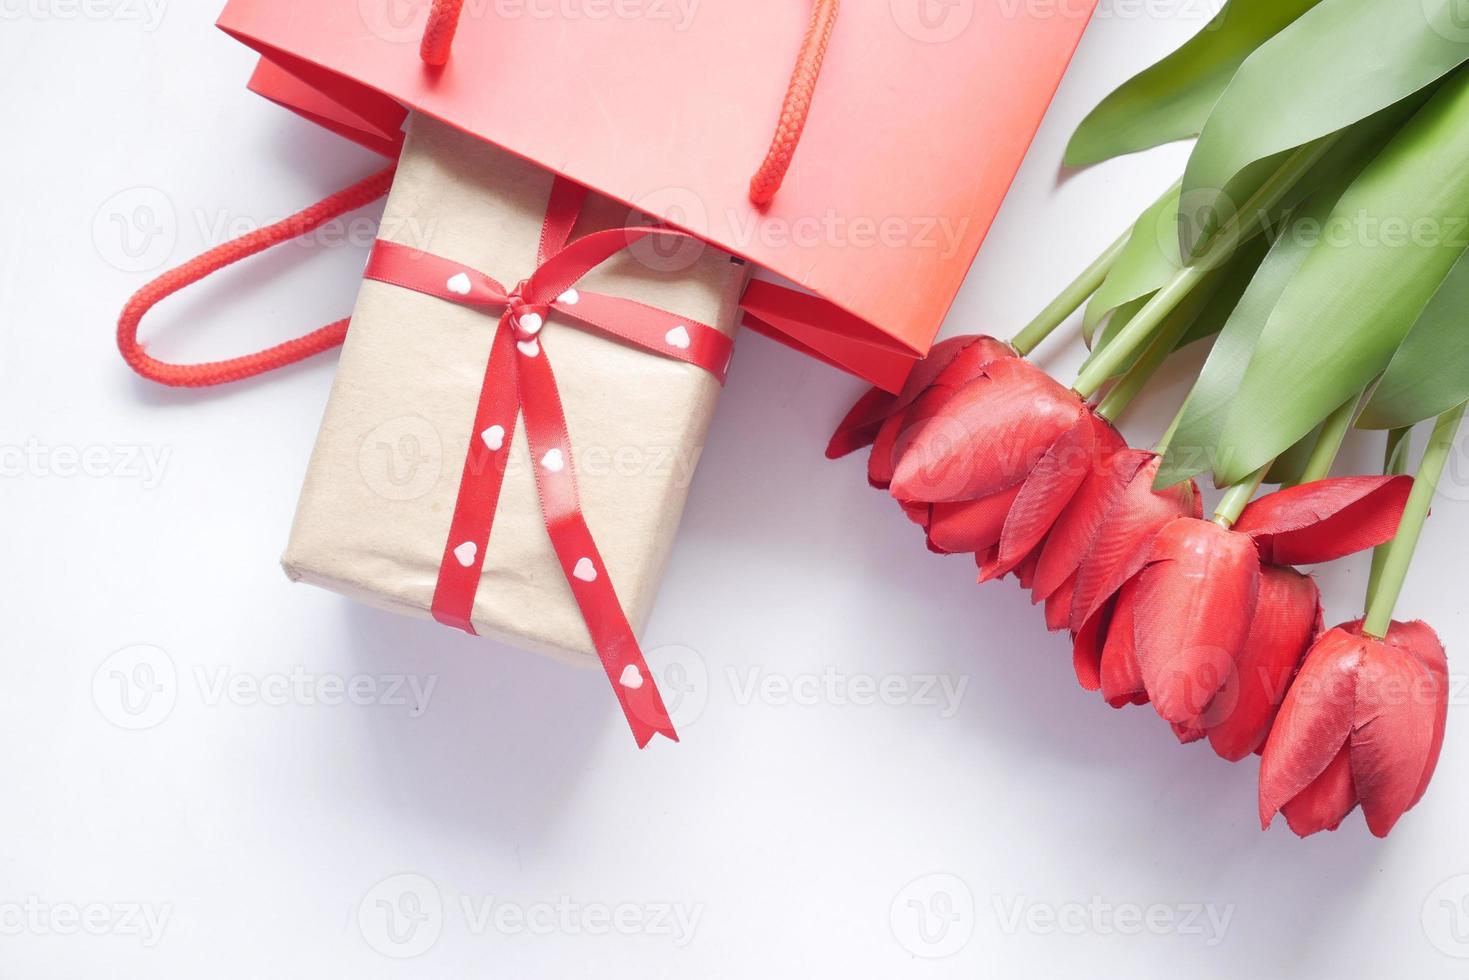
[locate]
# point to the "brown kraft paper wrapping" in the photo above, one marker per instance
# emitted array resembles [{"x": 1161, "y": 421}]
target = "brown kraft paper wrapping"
[{"x": 381, "y": 486}]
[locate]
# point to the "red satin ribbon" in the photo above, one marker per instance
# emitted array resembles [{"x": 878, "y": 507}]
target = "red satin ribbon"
[{"x": 519, "y": 381}]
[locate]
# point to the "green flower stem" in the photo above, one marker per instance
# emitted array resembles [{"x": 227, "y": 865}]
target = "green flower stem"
[
  {"x": 1137, "y": 377},
  {"x": 1328, "y": 444},
  {"x": 1394, "y": 463},
  {"x": 1071, "y": 298},
  {"x": 1400, "y": 552},
  {"x": 1240, "y": 226},
  {"x": 1237, "y": 497}
]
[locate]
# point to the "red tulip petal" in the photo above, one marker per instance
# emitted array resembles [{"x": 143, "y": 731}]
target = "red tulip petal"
[
  {"x": 1399, "y": 699},
  {"x": 1325, "y": 803},
  {"x": 965, "y": 354},
  {"x": 1419, "y": 639},
  {"x": 1314, "y": 721},
  {"x": 860, "y": 426},
  {"x": 1122, "y": 679},
  {"x": 988, "y": 436},
  {"x": 971, "y": 526},
  {"x": 1120, "y": 547},
  {"x": 920, "y": 514},
  {"x": 1077, "y": 526},
  {"x": 1192, "y": 608},
  {"x": 1045, "y": 493},
  {"x": 1187, "y": 734},
  {"x": 1286, "y": 621},
  {"x": 1058, "y": 607},
  {"x": 897, "y": 431},
  {"x": 1025, "y": 571},
  {"x": 1086, "y": 650},
  {"x": 1325, "y": 520}
]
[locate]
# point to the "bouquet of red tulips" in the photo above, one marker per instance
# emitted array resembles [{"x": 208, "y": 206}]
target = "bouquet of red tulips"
[{"x": 1321, "y": 319}]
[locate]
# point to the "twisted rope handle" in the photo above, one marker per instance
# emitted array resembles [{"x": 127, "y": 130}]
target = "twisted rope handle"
[
  {"x": 438, "y": 35},
  {"x": 443, "y": 21},
  {"x": 237, "y": 368},
  {"x": 797, "y": 105}
]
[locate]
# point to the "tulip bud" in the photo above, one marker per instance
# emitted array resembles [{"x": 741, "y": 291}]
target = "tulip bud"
[{"x": 1362, "y": 724}]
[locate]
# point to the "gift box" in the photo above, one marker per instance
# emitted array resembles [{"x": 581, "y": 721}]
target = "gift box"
[{"x": 378, "y": 508}]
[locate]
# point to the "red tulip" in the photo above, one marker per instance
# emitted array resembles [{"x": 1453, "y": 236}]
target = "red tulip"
[
  {"x": 998, "y": 462},
  {"x": 879, "y": 418},
  {"x": 1182, "y": 629},
  {"x": 1363, "y": 723},
  {"x": 1104, "y": 538},
  {"x": 1287, "y": 619}
]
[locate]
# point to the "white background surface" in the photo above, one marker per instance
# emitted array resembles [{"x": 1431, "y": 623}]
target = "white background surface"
[{"x": 798, "y": 830}]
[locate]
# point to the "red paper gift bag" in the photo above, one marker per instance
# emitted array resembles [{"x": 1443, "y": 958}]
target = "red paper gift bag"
[{"x": 921, "y": 116}]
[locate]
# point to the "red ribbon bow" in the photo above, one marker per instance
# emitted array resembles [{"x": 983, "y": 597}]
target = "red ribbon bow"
[{"x": 518, "y": 380}]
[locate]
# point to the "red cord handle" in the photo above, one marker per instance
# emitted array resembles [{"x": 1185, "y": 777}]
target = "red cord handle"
[
  {"x": 443, "y": 21},
  {"x": 797, "y": 104},
  {"x": 438, "y": 35},
  {"x": 237, "y": 368}
]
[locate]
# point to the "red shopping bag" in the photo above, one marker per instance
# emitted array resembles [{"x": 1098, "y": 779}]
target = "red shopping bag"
[{"x": 922, "y": 114}]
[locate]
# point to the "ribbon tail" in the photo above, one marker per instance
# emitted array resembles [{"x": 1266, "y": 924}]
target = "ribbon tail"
[
  {"x": 591, "y": 585},
  {"x": 479, "y": 489}
]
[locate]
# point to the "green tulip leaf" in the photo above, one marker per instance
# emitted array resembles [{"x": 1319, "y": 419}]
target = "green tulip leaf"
[
  {"x": 1290, "y": 465},
  {"x": 1338, "y": 63},
  {"x": 1378, "y": 260},
  {"x": 1171, "y": 100},
  {"x": 1148, "y": 260},
  {"x": 1429, "y": 374},
  {"x": 1195, "y": 443}
]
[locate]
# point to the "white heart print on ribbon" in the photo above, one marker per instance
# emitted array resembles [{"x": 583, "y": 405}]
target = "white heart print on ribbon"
[
  {"x": 494, "y": 437},
  {"x": 459, "y": 284},
  {"x": 585, "y": 570},
  {"x": 553, "y": 461},
  {"x": 631, "y": 678},
  {"x": 466, "y": 553},
  {"x": 678, "y": 337}
]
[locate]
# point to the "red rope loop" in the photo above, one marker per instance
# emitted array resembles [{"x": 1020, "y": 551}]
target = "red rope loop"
[
  {"x": 438, "y": 34},
  {"x": 797, "y": 104},
  {"x": 443, "y": 21},
  {"x": 237, "y": 368}
]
